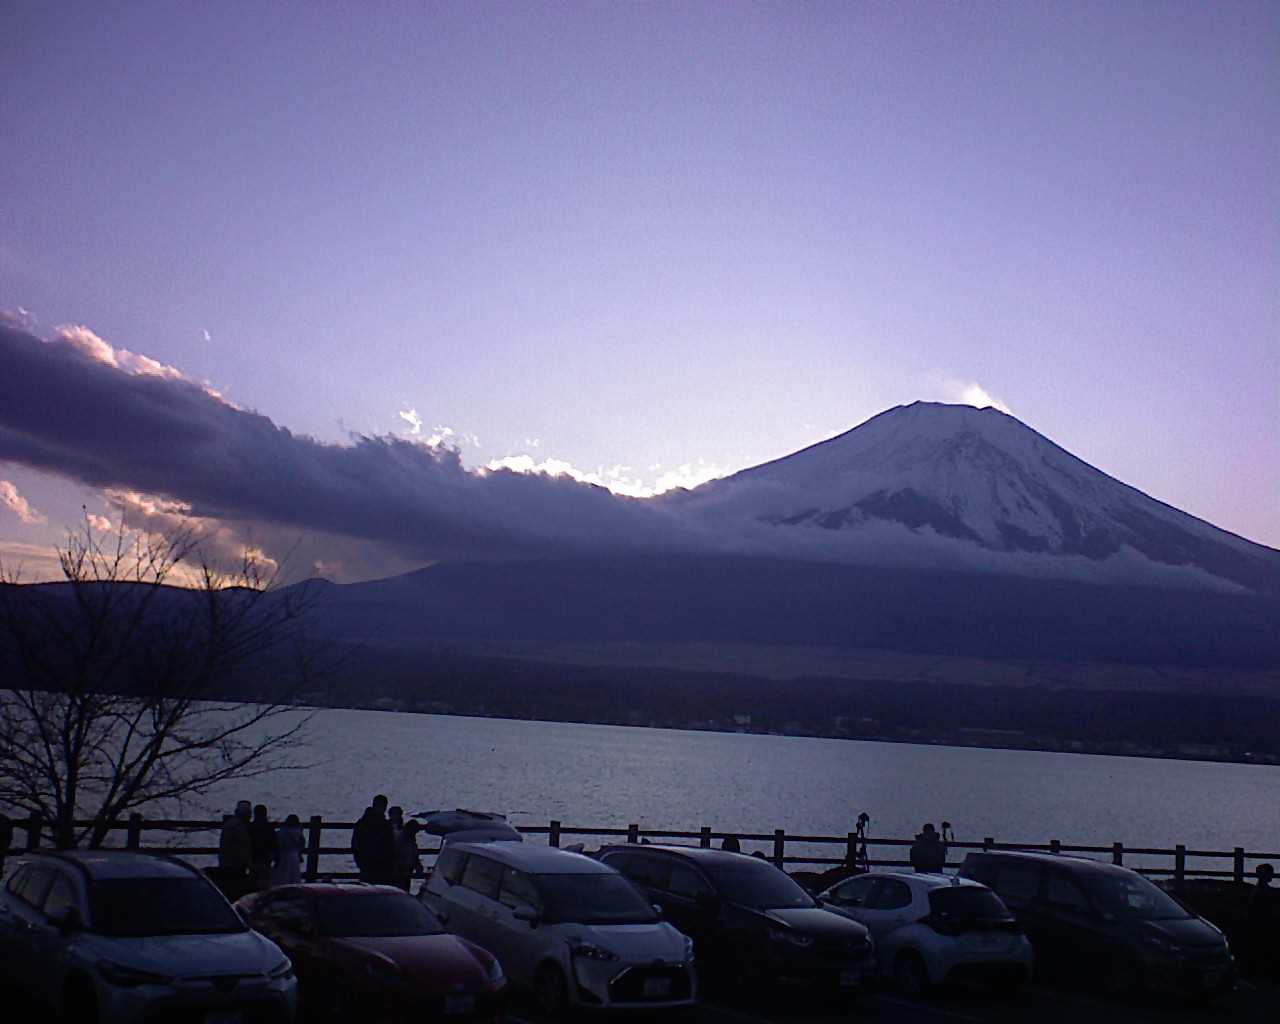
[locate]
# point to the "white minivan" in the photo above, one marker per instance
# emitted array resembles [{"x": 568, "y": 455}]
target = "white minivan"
[{"x": 573, "y": 931}]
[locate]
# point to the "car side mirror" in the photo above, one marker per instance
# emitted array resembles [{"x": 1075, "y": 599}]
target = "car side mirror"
[{"x": 526, "y": 914}]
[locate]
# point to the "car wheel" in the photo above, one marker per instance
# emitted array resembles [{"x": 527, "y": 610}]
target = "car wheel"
[
  {"x": 79, "y": 1002},
  {"x": 551, "y": 991},
  {"x": 910, "y": 974}
]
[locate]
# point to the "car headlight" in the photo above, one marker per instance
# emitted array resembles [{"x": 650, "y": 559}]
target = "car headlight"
[
  {"x": 589, "y": 951},
  {"x": 282, "y": 970},
  {"x": 129, "y": 977},
  {"x": 383, "y": 970},
  {"x": 1158, "y": 941},
  {"x": 688, "y": 949},
  {"x": 790, "y": 938}
]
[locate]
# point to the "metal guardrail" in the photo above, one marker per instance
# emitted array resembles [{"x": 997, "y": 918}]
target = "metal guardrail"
[{"x": 850, "y": 845}]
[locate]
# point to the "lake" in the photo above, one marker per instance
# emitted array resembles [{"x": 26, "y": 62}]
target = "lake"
[{"x": 604, "y": 775}]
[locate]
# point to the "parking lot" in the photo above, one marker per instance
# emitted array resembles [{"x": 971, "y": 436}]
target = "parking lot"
[{"x": 1249, "y": 1003}]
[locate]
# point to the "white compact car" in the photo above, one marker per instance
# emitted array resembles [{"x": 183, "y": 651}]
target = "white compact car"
[
  {"x": 931, "y": 928},
  {"x": 570, "y": 929},
  {"x": 110, "y": 936}
]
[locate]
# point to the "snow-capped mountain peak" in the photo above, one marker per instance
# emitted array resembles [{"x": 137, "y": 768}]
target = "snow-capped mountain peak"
[{"x": 955, "y": 486}]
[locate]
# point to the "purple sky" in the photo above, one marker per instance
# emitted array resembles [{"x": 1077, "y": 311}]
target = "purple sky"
[{"x": 663, "y": 239}]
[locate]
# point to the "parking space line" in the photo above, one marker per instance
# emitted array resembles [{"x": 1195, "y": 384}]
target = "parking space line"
[{"x": 920, "y": 1008}]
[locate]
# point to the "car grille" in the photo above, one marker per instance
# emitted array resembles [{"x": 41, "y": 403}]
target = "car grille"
[
  {"x": 629, "y": 986},
  {"x": 844, "y": 950}
]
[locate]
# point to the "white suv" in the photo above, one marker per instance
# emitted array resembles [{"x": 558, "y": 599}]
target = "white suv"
[
  {"x": 105, "y": 936},
  {"x": 570, "y": 929},
  {"x": 931, "y": 928}
]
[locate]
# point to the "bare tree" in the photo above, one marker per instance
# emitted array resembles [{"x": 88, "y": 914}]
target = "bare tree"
[{"x": 129, "y": 690}]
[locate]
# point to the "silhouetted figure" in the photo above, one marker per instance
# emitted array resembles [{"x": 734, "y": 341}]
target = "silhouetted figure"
[
  {"x": 235, "y": 853},
  {"x": 6, "y": 838},
  {"x": 263, "y": 849},
  {"x": 373, "y": 844},
  {"x": 1263, "y": 919},
  {"x": 290, "y": 842},
  {"x": 928, "y": 852},
  {"x": 731, "y": 844},
  {"x": 395, "y": 815},
  {"x": 758, "y": 855},
  {"x": 407, "y": 863}
]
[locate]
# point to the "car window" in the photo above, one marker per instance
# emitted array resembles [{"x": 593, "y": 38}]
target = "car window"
[
  {"x": 1134, "y": 897},
  {"x": 755, "y": 883},
  {"x": 17, "y": 880},
  {"x": 1064, "y": 893},
  {"x": 1017, "y": 883},
  {"x": 649, "y": 871},
  {"x": 979, "y": 868},
  {"x": 686, "y": 882},
  {"x": 966, "y": 901},
  {"x": 62, "y": 894},
  {"x": 597, "y": 898},
  {"x": 450, "y": 864},
  {"x": 854, "y": 892},
  {"x": 131, "y": 907},
  {"x": 518, "y": 891},
  {"x": 482, "y": 875},
  {"x": 290, "y": 911},
  {"x": 375, "y": 915},
  {"x": 890, "y": 894},
  {"x": 34, "y": 887}
]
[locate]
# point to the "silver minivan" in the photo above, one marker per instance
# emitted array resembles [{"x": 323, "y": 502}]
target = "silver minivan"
[{"x": 569, "y": 929}]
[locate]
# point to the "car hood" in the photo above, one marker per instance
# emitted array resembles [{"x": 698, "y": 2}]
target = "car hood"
[
  {"x": 817, "y": 921},
  {"x": 1192, "y": 931},
  {"x": 434, "y": 963},
  {"x": 655, "y": 941},
  {"x": 193, "y": 956}
]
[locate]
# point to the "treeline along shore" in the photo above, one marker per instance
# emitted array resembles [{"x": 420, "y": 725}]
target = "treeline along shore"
[{"x": 1192, "y": 725}]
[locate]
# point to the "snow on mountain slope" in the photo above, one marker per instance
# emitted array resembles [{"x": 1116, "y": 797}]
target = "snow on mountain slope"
[{"x": 957, "y": 487}]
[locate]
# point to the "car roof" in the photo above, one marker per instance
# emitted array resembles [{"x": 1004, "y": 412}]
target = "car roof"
[
  {"x": 542, "y": 860},
  {"x": 329, "y": 889},
  {"x": 100, "y": 865},
  {"x": 698, "y": 854},
  {"x": 1073, "y": 864},
  {"x": 928, "y": 880}
]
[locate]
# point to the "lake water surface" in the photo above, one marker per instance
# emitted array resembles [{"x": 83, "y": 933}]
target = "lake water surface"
[{"x": 602, "y": 775}]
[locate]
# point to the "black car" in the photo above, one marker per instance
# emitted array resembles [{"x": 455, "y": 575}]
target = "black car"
[
  {"x": 1105, "y": 922},
  {"x": 747, "y": 919}
]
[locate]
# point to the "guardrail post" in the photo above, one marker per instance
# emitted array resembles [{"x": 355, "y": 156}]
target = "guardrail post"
[
  {"x": 779, "y": 847},
  {"x": 988, "y": 843},
  {"x": 851, "y": 848},
  {"x": 1238, "y": 864},
  {"x": 1117, "y": 853},
  {"x": 1179, "y": 863},
  {"x": 705, "y": 839},
  {"x": 133, "y": 838},
  {"x": 314, "y": 828},
  {"x": 553, "y": 837},
  {"x": 633, "y": 833},
  {"x": 34, "y": 825},
  {"x": 1055, "y": 846}
]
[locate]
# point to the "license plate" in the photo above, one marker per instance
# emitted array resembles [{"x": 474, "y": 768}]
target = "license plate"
[
  {"x": 850, "y": 977},
  {"x": 657, "y": 987},
  {"x": 456, "y": 1005},
  {"x": 223, "y": 1017}
]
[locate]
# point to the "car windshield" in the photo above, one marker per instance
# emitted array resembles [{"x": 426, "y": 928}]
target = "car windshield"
[
  {"x": 967, "y": 901},
  {"x": 760, "y": 886},
  {"x": 131, "y": 907},
  {"x": 380, "y": 915},
  {"x": 1133, "y": 897},
  {"x": 593, "y": 899}
]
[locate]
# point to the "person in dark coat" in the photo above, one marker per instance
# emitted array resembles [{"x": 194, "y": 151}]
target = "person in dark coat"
[
  {"x": 235, "y": 852},
  {"x": 1261, "y": 923},
  {"x": 928, "y": 852},
  {"x": 6, "y": 838},
  {"x": 373, "y": 844},
  {"x": 264, "y": 848}
]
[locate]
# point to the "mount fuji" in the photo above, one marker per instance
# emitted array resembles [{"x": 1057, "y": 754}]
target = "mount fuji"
[{"x": 959, "y": 488}]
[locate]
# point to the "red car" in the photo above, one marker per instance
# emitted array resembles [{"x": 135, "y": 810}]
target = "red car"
[{"x": 373, "y": 953}]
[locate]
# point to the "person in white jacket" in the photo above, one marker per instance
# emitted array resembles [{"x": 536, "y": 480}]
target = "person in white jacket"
[{"x": 291, "y": 844}]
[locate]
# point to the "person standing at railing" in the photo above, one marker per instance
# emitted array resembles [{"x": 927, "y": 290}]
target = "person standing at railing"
[
  {"x": 290, "y": 844},
  {"x": 263, "y": 848},
  {"x": 235, "y": 852},
  {"x": 407, "y": 861},
  {"x": 6, "y": 839},
  {"x": 373, "y": 843},
  {"x": 928, "y": 852},
  {"x": 1263, "y": 920}
]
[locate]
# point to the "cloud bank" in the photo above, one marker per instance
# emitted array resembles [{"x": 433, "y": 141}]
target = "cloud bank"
[
  {"x": 18, "y": 505},
  {"x": 77, "y": 407}
]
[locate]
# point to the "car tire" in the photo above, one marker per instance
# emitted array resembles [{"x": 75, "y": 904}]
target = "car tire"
[
  {"x": 551, "y": 991},
  {"x": 79, "y": 1002},
  {"x": 910, "y": 974}
]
